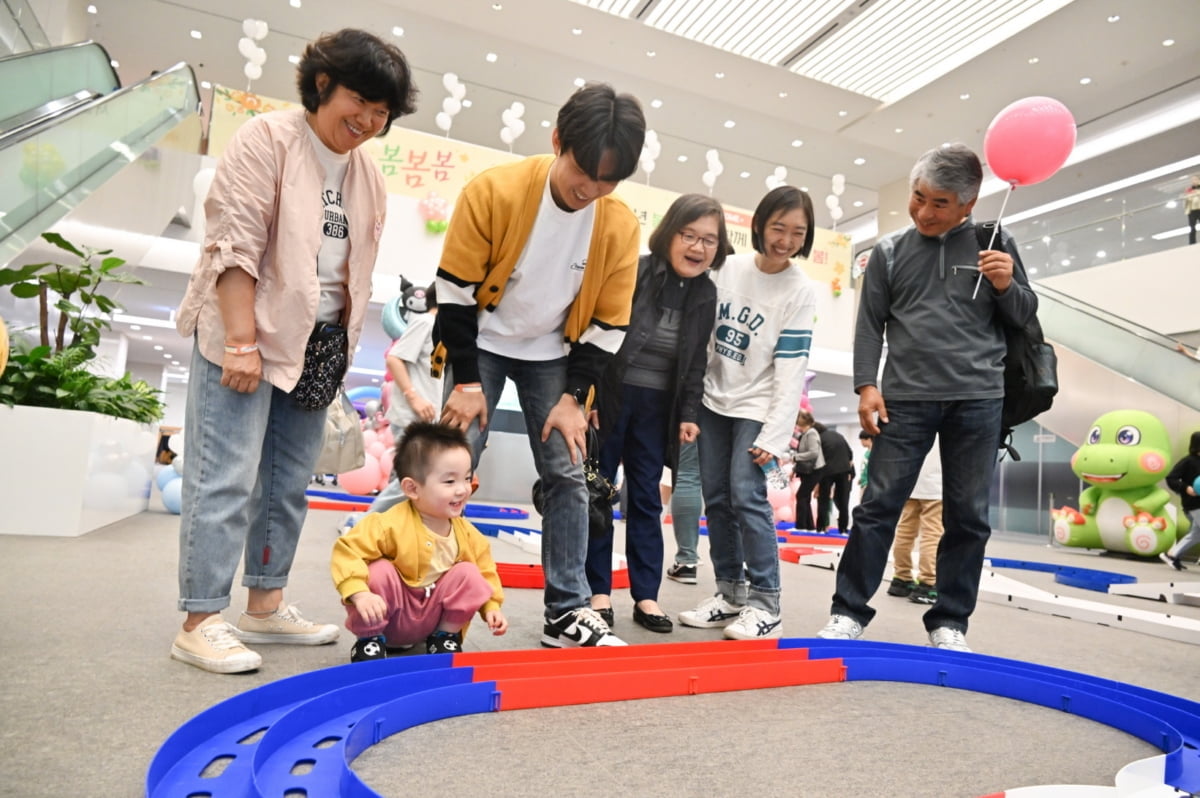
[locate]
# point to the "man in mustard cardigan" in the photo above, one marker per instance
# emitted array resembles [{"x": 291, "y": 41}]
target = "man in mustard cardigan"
[{"x": 535, "y": 285}]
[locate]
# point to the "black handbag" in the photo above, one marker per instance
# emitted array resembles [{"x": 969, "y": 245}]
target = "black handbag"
[
  {"x": 601, "y": 492},
  {"x": 325, "y": 363}
]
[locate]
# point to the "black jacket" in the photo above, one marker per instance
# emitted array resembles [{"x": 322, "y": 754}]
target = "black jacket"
[
  {"x": 1181, "y": 477},
  {"x": 695, "y": 328},
  {"x": 836, "y": 451}
]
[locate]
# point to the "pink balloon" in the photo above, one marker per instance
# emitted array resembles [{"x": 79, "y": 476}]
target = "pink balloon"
[
  {"x": 779, "y": 497},
  {"x": 376, "y": 449},
  {"x": 369, "y": 437},
  {"x": 1029, "y": 140},
  {"x": 387, "y": 461},
  {"x": 786, "y": 513},
  {"x": 361, "y": 481}
]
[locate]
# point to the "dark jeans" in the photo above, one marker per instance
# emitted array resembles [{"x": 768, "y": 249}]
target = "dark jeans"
[
  {"x": 804, "y": 500},
  {"x": 835, "y": 487},
  {"x": 970, "y": 434},
  {"x": 1193, "y": 223},
  {"x": 638, "y": 440}
]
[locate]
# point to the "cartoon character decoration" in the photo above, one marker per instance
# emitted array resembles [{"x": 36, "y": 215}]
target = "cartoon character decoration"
[
  {"x": 434, "y": 210},
  {"x": 415, "y": 299},
  {"x": 1126, "y": 454},
  {"x": 395, "y": 312}
]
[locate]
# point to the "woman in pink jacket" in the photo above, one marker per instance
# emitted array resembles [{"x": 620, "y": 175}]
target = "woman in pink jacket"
[{"x": 276, "y": 303}]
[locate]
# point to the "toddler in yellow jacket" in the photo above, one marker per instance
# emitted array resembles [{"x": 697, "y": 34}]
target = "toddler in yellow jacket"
[{"x": 416, "y": 573}]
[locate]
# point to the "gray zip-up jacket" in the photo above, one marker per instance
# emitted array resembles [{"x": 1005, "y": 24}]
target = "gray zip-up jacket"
[{"x": 942, "y": 343}]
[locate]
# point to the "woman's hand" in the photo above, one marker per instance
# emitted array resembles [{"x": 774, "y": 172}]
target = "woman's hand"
[
  {"x": 688, "y": 432},
  {"x": 242, "y": 372}
]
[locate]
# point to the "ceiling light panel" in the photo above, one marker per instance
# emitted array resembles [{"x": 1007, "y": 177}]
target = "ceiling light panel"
[
  {"x": 621, "y": 8},
  {"x": 765, "y": 30},
  {"x": 912, "y": 43}
]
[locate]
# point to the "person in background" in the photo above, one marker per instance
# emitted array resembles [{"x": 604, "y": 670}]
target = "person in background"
[
  {"x": 921, "y": 517},
  {"x": 649, "y": 401},
  {"x": 834, "y": 488},
  {"x": 1191, "y": 204},
  {"x": 766, "y": 308},
  {"x": 807, "y": 462},
  {"x": 866, "y": 440},
  {"x": 416, "y": 573},
  {"x": 535, "y": 285},
  {"x": 687, "y": 505},
  {"x": 276, "y": 266},
  {"x": 921, "y": 282},
  {"x": 1183, "y": 480}
]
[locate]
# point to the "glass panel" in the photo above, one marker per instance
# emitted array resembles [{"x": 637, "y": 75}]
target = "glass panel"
[
  {"x": 19, "y": 29},
  {"x": 49, "y": 171},
  {"x": 31, "y": 80}
]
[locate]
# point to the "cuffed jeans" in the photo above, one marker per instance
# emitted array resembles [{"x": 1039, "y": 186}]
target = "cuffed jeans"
[
  {"x": 540, "y": 385},
  {"x": 970, "y": 435},
  {"x": 686, "y": 504},
  {"x": 247, "y": 464},
  {"x": 741, "y": 524},
  {"x": 639, "y": 440}
]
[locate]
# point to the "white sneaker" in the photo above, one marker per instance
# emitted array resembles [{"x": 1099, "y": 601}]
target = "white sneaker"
[
  {"x": 754, "y": 624},
  {"x": 712, "y": 613},
  {"x": 841, "y": 627},
  {"x": 581, "y": 628},
  {"x": 213, "y": 646},
  {"x": 286, "y": 626},
  {"x": 948, "y": 639}
]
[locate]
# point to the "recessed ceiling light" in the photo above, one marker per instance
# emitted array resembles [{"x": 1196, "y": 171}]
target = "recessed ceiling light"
[
  {"x": 375, "y": 380},
  {"x": 158, "y": 348},
  {"x": 729, "y": 123},
  {"x": 490, "y": 58},
  {"x": 744, "y": 174},
  {"x": 783, "y": 95},
  {"x": 397, "y": 31},
  {"x": 1170, "y": 205},
  {"x": 899, "y": 130},
  {"x": 135, "y": 326},
  {"x": 843, "y": 410},
  {"x": 682, "y": 159},
  {"x": 1108, "y": 199},
  {"x": 1034, "y": 60},
  {"x": 656, "y": 103},
  {"x": 1168, "y": 42},
  {"x": 1065, "y": 262},
  {"x": 91, "y": 9},
  {"x": 1033, "y": 270},
  {"x": 843, "y": 113},
  {"x": 1099, "y": 229},
  {"x": 293, "y": 59},
  {"x": 1140, "y": 239},
  {"x": 197, "y": 34},
  {"x": 858, "y": 203},
  {"x": 650, "y": 53},
  {"x": 720, "y": 75},
  {"x": 466, "y": 103},
  {"x": 115, "y": 64},
  {"x": 893, "y": 213},
  {"x": 1101, "y": 254},
  {"x": 859, "y": 161},
  {"x": 579, "y": 83},
  {"x": 1045, "y": 239},
  {"x": 577, "y": 31},
  {"x": 1084, "y": 81},
  {"x": 1113, "y": 17},
  {"x": 804, "y": 189},
  {"x": 176, "y": 362},
  {"x": 545, "y": 123},
  {"x": 797, "y": 143},
  {"x": 964, "y": 96},
  {"x": 147, "y": 337},
  {"x": 294, "y": 3},
  {"x": 497, "y": 7}
]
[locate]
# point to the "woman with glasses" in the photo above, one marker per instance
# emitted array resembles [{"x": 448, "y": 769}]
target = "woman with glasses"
[
  {"x": 752, "y": 388},
  {"x": 649, "y": 402}
]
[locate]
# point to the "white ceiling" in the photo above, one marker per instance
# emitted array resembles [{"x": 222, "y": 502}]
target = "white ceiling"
[{"x": 1132, "y": 75}]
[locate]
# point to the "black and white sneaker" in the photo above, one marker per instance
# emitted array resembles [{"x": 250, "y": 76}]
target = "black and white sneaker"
[
  {"x": 366, "y": 649},
  {"x": 578, "y": 628},
  {"x": 684, "y": 573},
  {"x": 444, "y": 643}
]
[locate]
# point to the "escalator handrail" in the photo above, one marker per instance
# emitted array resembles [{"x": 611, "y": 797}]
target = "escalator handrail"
[
  {"x": 1088, "y": 309},
  {"x": 11, "y": 138},
  {"x": 46, "y": 112}
]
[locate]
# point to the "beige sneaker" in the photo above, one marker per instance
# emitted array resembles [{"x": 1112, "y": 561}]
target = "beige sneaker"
[
  {"x": 285, "y": 626},
  {"x": 213, "y": 646}
]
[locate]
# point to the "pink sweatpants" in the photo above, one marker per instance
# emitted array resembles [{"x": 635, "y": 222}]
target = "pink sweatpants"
[{"x": 413, "y": 612}]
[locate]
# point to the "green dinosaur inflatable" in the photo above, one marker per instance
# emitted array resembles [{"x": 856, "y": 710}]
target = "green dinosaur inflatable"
[{"x": 1126, "y": 454}]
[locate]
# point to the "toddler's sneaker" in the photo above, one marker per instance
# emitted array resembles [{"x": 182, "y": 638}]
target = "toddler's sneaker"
[
  {"x": 683, "y": 573},
  {"x": 213, "y": 646},
  {"x": 582, "y": 628},
  {"x": 754, "y": 624},
  {"x": 948, "y": 639},
  {"x": 1174, "y": 562},
  {"x": 286, "y": 626},
  {"x": 444, "y": 643},
  {"x": 366, "y": 649},
  {"x": 923, "y": 594},
  {"x": 900, "y": 588},
  {"x": 841, "y": 627},
  {"x": 712, "y": 613}
]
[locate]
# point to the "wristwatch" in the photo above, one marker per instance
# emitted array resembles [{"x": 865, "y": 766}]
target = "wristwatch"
[{"x": 580, "y": 395}]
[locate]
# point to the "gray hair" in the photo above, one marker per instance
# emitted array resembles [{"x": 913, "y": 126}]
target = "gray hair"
[{"x": 953, "y": 167}]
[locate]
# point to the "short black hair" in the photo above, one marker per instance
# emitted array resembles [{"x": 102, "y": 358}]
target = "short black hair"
[
  {"x": 596, "y": 121},
  {"x": 781, "y": 200},
  {"x": 1194, "y": 445},
  {"x": 686, "y": 209},
  {"x": 364, "y": 64},
  {"x": 422, "y": 440}
]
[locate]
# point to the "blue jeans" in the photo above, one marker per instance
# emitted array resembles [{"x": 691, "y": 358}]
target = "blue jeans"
[
  {"x": 686, "y": 504},
  {"x": 638, "y": 440},
  {"x": 247, "y": 464},
  {"x": 970, "y": 435},
  {"x": 540, "y": 385},
  {"x": 741, "y": 524}
]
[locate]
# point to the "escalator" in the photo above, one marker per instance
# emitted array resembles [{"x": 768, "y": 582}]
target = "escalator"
[{"x": 68, "y": 127}]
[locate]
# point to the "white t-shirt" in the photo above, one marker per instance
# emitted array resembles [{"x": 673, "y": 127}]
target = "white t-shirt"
[
  {"x": 414, "y": 347},
  {"x": 332, "y": 258},
  {"x": 528, "y": 323}
]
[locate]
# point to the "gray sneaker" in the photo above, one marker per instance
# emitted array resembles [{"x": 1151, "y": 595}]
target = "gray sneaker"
[
  {"x": 712, "y": 613},
  {"x": 948, "y": 639},
  {"x": 841, "y": 627}
]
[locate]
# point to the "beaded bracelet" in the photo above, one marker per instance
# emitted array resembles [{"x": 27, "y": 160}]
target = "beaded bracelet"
[{"x": 244, "y": 349}]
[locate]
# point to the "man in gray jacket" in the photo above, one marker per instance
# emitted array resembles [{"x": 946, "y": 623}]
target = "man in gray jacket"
[{"x": 943, "y": 304}]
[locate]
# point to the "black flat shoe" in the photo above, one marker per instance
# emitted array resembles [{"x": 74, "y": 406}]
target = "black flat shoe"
[
  {"x": 655, "y": 623},
  {"x": 607, "y": 614}
]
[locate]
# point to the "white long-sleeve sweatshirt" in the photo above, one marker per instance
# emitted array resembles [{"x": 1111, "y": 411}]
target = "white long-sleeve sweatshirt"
[{"x": 761, "y": 342}]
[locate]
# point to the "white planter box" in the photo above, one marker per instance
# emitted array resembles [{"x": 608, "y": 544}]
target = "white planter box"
[{"x": 66, "y": 473}]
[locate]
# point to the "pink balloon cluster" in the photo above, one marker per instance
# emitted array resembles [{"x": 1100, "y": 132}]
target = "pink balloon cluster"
[
  {"x": 1029, "y": 140},
  {"x": 376, "y": 469},
  {"x": 433, "y": 210}
]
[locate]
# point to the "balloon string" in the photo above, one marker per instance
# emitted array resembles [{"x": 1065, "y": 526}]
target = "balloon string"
[{"x": 995, "y": 232}]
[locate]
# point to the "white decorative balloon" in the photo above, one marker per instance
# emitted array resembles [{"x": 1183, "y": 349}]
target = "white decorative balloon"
[
  {"x": 780, "y": 173},
  {"x": 260, "y": 30},
  {"x": 443, "y": 121},
  {"x": 507, "y": 116},
  {"x": 831, "y": 201},
  {"x": 451, "y": 106},
  {"x": 259, "y": 56},
  {"x": 506, "y": 135},
  {"x": 709, "y": 179},
  {"x": 458, "y": 92},
  {"x": 252, "y": 71},
  {"x": 249, "y": 27},
  {"x": 518, "y": 108},
  {"x": 839, "y": 181},
  {"x": 518, "y": 127},
  {"x": 247, "y": 47},
  {"x": 836, "y": 213},
  {"x": 449, "y": 81},
  {"x": 647, "y": 164}
]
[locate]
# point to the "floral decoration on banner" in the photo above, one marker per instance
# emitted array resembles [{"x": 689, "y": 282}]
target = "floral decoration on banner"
[
  {"x": 434, "y": 210},
  {"x": 243, "y": 103}
]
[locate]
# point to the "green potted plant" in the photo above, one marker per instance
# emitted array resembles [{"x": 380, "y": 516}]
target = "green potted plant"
[{"x": 51, "y": 372}]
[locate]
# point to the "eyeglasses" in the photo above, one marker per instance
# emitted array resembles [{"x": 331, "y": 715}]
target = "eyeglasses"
[{"x": 690, "y": 239}]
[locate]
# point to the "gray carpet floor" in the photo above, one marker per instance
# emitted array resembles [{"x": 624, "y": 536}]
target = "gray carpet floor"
[{"x": 90, "y": 692}]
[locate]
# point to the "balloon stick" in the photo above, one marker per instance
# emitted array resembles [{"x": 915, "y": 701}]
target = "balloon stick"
[{"x": 995, "y": 232}]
